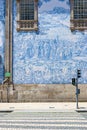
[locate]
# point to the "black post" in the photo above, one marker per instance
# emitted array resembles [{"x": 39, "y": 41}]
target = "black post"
[
  {"x": 77, "y": 94},
  {"x": 77, "y": 90},
  {"x": 75, "y": 83},
  {"x": 8, "y": 89},
  {"x": 8, "y": 93}
]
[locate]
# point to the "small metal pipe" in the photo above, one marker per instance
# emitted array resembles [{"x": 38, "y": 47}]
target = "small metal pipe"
[
  {"x": 1, "y": 95},
  {"x": 7, "y": 82},
  {"x": 4, "y": 81}
]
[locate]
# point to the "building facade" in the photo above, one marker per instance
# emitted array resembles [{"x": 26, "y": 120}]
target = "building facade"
[{"x": 42, "y": 61}]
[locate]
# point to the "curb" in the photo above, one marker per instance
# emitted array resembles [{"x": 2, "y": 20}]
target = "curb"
[
  {"x": 7, "y": 111},
  {"x": 81, "y": 110}
]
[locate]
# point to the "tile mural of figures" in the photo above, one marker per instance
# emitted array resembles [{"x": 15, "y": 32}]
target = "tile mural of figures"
[{"x": 53, "y": 53}]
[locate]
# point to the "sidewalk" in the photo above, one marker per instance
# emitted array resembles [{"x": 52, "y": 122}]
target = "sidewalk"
[{"x": 43, "y": 107}]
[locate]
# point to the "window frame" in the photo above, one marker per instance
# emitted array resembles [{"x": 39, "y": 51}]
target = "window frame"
[
  {"x": 76, "y": 24},
  {"x": 29, "y": 23}
]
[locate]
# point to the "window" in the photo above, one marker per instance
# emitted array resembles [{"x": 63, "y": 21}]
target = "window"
[
  {"x": 27, "y": 15},
  {"x": 78, "y": 15}
]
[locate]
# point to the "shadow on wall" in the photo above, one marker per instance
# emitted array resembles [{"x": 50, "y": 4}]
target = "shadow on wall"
[{"x": 1, "y": 70}]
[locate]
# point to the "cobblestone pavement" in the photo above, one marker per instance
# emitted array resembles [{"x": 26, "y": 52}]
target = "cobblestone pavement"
[{"x": 43, "y": 121}]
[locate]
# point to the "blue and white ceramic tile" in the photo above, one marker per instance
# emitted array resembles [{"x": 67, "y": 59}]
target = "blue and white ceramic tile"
[
  {"x": 53, "y": 53},
  {"x": 2, "y": 38}
]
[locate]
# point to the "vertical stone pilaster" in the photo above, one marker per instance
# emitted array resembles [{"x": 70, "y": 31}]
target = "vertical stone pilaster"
[
  {"x": 18, "y": 14},
  {"x": 71, "y": 14},
  {"x": 7, "y": 69},
  {"x": 35, "y": 14},
  {"x": 8, "y": 37}
]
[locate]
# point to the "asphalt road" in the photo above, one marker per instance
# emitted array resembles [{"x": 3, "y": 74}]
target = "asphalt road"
[{"x": 43, "y": 120}]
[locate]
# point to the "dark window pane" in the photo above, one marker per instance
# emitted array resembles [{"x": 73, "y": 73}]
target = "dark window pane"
[
  {"x": 80, "y": 9},
  {"x": 27, "y": 10}
]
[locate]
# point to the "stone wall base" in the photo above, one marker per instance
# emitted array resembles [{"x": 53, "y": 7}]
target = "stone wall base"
[{"x": 42, "y": 93}]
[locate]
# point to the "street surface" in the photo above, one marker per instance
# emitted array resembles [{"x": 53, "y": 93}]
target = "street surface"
[{"x": 43, "y": 120}]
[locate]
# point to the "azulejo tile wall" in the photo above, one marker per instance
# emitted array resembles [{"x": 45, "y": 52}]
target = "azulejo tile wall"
[
  {"x": 53, "y": 53},
  {"x": 2, "y": 38}
]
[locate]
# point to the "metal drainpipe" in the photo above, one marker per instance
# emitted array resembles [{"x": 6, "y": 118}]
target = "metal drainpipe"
[{"x": 10, "y": 38}]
